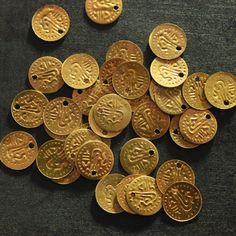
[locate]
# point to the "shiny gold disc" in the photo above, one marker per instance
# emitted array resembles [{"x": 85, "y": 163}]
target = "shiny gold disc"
[
  {"x": 134, "y": 103},
  {"x": 69, "y": 179},
  {"x": 55, "y": 136}
]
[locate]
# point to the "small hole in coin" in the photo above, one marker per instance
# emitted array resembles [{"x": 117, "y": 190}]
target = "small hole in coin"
[
  {"x": 105, "y": 81},
  {"x": 60, "y": 31},
  {"x": 34, "y": 77},
  {"x": 31, "y": 145},
  {"x": 79, "y": 91},
  {"x": 17, "y": 106},
  {"x": 181, "y": 74},
  {"x": 178, "y": 165},
  {"x": 65, "y": 103},
  {"x": 151, "y": 152},
  {"x": 157, "y": 131},
  {"x": 94, "y": 172},
  {"x": 104, "y": 132},
  {"x": 197, "y": 79},
  {"x": 183, "y": 106},
  {"x": 176, "y": 131},
  {"x": 133, "y": 194},
  {"x": 86, "y": 81},
  {"x": 116, "y": 7},
  {"x": 208, "y": 116},
  {"x": 178, "y": 48},
  {"x": 226, "y": 102}
]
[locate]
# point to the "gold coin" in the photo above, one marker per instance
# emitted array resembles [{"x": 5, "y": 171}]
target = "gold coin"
[
  {"x": 182, "y": 201},
  {"x": 80, "y": 71},
  {"x": 139, "y": 156},
  {"x": 173, "y": 171},
  {"x": 168, "y": 41},
  {"x": 134, "y": 103},
  {"x": 112, "y": 113},
  {"x": 27, "y": 108},
  {"x": 18, "y": 150},
  {"x": 143, "y": 196},
  {"x": 75, "y": 140},
  {"x": 51, "y": 160},
  {"x": 105, "y": 193},
  {"x": 198, "y": 127},
  {"x": 149, "y": 121},
  {"x": 55, "y": 136},
  {"x": 126, "y": 50},
  {"x": 131, "y": 80},
  {"x": 94, "y": 159},
  {"x": 62, "y": 116},
  {"x": 193, "y": 91},
  {"x": 103, "y": 12},
  {"x": 176, "y": 135},
  {"x": 69, "y": 179},
  {"x": 169, "y": 73},
  {"x": 220, "y": 90},
  {"x": 121, "y": 192},
  {"x": 45, "y": 74},
  {"x": 169, "y": 100},
  {"x": 50, "y": 23}
]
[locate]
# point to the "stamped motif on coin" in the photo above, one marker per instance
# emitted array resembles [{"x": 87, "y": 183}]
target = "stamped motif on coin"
[
  {"x": 134, "y": 103},
  {"x": 69, "y": 179},
  {"x": 55, "y": 136}
]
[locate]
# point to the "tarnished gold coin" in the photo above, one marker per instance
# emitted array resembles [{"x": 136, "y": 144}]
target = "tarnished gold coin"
[
  {"x": 45, "y": 74},
  {"x": 193, "y": 91},
  {"x": 112, "y": 113},
  {"x": 121, "y": 192},
  {"x": 134, "y": 103},
  {"x": 220, "y": 90},
  {"x": 50, "y": 23},
  {"x": 105, "y": 193},
  {"x": 18, "y": 150},
  {"x": 80, "y": 71},
  {"x": 168, "y": 41},
  {"x": 176, "y": 135},
  {"x": 94, "y": 159},
  {"x": 169, "y": 100},
  {"x": 126, "y": 50},
  {"x": 51, "y": 160},
  {"x": 55, "y": 136},
  {"x": 69, "y": 179},
  {"x": 27, "y": 108},
  {"x": 103, "y": 12},
  {"x": 169, "y": 73},
  {"x": 143, "y": 196},
  {"x": 198, "y": 127},
  {"x": 131, "y": 80},
  {"x": 174, "y": 171},
  {"x": 149, "y": 121},
  {"x": 182, "y": 201},
  {"x": 139, "y": 156},
  {"x": 62, "y": 116}
]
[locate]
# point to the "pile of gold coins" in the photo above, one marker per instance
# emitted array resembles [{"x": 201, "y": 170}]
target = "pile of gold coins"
[{"x": 114, "y": 95}]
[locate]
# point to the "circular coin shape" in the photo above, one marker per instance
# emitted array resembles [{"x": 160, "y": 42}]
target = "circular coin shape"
[
  {"x": 182, "y": 201},
  {"x": 198, "y": 127},
  {"x": 139, "y": 156},
  {"x": 94, "y": 159},
  {"x": 168, "y": 41},
  {"x": 193, "y": 91},
  {"x": 176, "y": 135},
  {"x": 169, "y": 73},
  {"x": 169, "y": 100},
  {"x": 134, "y": 103},
  {"x": 126, "y": 50},
  {"x": 69, "y": 179},
  {"x": 105, "y": 193},
  {"x": 103, "y": 12},
  {"x": 50, "y": 23},
  {"x": 143, "y": 196},
  {"x": 131, "y": 80},
  {"x": 80, "y": 71},
  {"x": 52, "y": 161},
  {"x": 45, "y": 74},
  {"x": 62, "y": 116},
  {"x": 174, "y": 171},
  {"x": 149, "y": 121},
  {"x": 27, "y": 108},
  {"x": 112, "y": 113},
  {"x": 55, "y": 136},
  {"x": 18, "y": 150},
  {"x": 220, "y": 90}
]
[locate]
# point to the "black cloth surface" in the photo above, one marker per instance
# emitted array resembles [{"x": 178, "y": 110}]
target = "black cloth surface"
[{"x": 30, "y": 204}]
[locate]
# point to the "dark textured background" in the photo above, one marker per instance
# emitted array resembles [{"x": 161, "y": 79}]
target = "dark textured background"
[{"x": 32, "y": 205}]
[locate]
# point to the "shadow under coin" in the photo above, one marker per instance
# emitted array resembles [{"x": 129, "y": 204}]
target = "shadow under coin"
[
  {"x": 148, "y": 57},
  {"x": 11, "y": 172}
]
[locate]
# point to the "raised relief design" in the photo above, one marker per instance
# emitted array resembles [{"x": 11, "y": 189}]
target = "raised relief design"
[
  {"x": 81, "y": 71},
  {"x": 167, "y": 40}
]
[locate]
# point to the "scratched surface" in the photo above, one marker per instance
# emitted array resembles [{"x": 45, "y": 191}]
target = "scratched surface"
[{"x": 32, "y": 205}]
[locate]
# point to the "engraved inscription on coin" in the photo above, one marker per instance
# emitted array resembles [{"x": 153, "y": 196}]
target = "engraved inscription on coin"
[
  {"x": 94, "y": 159},
  {"x": 169, "y": 73},
  {"x": 50, "y": 23},
  {"x": 80, "y": 71},
  {"x": 143, "y": 196},
  {"x": 131, "y": 80},
  {"x": 168, "y": 41},
  {"x": 18, "y": 150},
  {"x": 45, "y": 74},
  {"x": 62, "y": 116},
  {"x": 27, "y": 108},
  {"x": 55, "y": 136},
  {"x": 149, "y": 121},
  {"x": 182, "y": 201},
  {"x": 220, "y": 90},
  {"x": 126, "y": 50},
  {"x": 139, "y": 156},
  {"x": 103, "y": 12},
  {"x": 174, "y": 171},
  {"x": 69, "y": 179}
]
